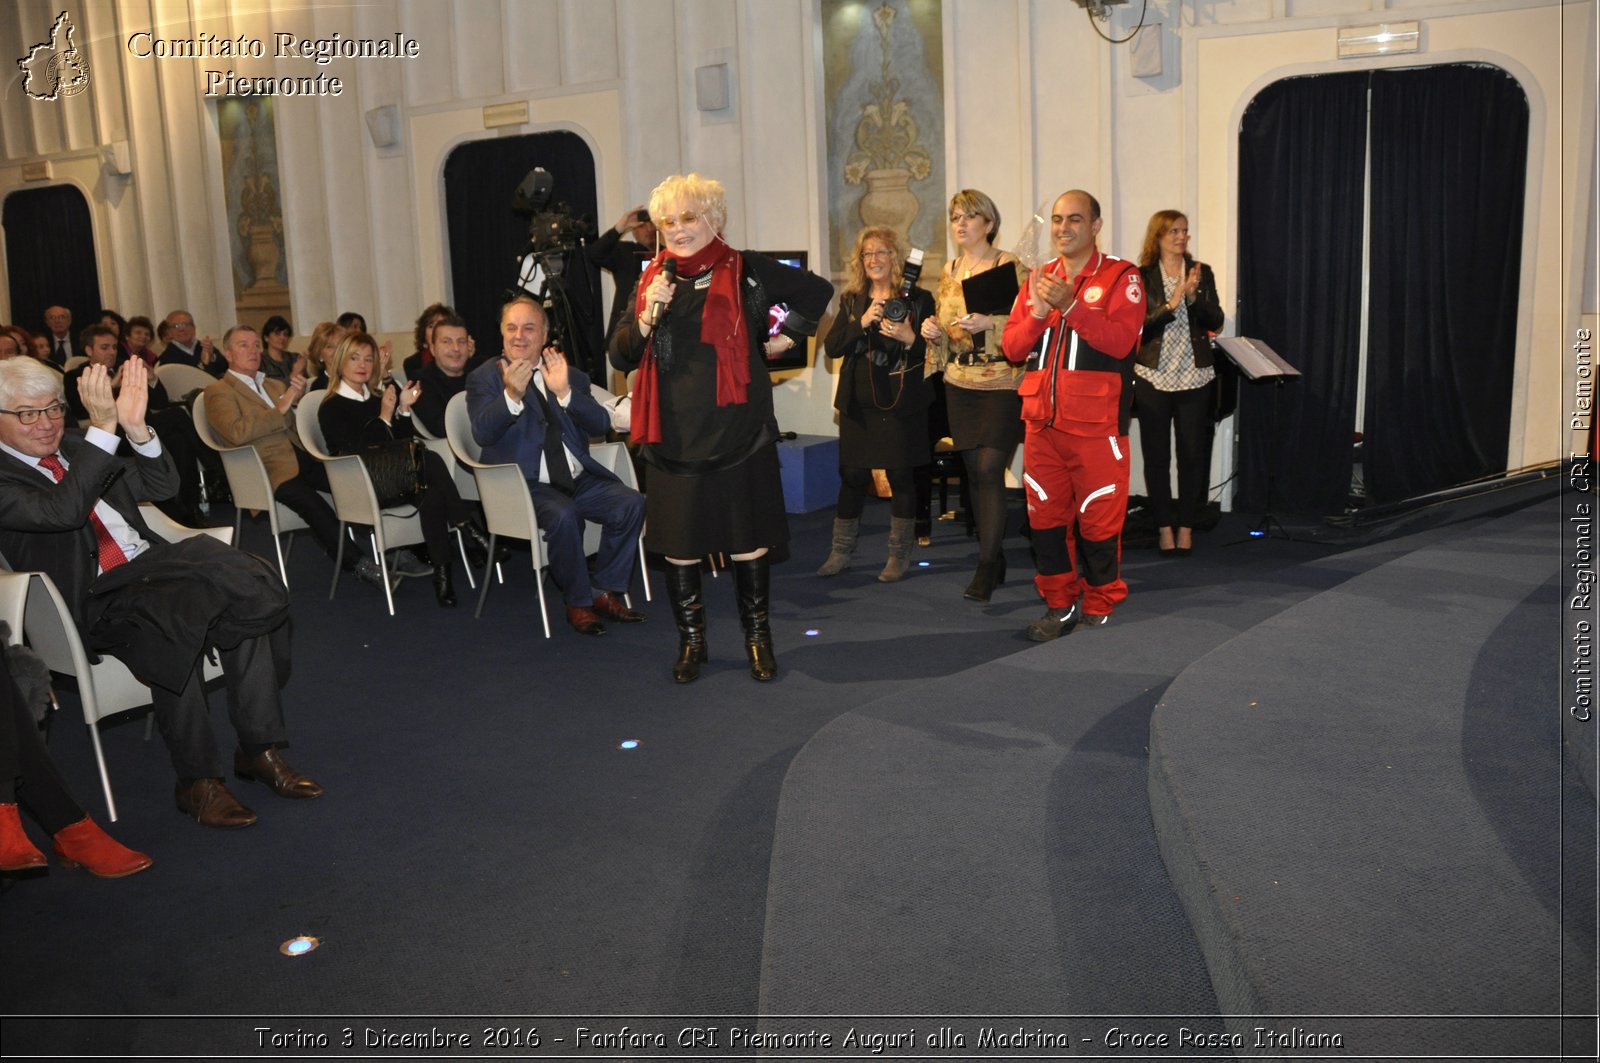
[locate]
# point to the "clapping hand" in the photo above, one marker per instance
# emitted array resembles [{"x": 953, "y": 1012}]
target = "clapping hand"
[
  {"x": 133, "y": 399},
  {"x": 409, "y": 394},
  {"x": 555, "y": 373},
  {"x": 1046, "y": 290},
  {"x": 518, "y": 374}
]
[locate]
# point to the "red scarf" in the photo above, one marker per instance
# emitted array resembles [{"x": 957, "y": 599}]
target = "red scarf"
[{"x": 721, "y": 325}]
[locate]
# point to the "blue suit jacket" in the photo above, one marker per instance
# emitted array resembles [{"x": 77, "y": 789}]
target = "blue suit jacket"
[{"x": 506, "y": 437}]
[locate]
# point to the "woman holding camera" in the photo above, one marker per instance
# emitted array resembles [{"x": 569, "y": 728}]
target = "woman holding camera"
[
  {"x": 353, "y": 416},
  {"x": 882, "y": 397},
  {"x": 980, "y": 385},
  {"x": 699, "y": 335},
  {"x": 1175, "y": 377}
]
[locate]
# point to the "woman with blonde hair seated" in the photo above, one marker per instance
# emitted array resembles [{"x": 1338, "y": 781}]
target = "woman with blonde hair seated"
[
  {"x": 319, "y": 350},
  {"x": 353, "y": 416}
]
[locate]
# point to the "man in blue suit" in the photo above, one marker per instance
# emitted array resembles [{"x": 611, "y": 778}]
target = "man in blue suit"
[{"x": 531, "y": 408}]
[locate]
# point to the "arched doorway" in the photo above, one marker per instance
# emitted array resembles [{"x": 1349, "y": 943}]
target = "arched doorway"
[{"x": 50, "y": 259}]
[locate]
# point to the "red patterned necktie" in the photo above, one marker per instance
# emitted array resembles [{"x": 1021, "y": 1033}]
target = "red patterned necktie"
[{"x": 111, "y": 554}]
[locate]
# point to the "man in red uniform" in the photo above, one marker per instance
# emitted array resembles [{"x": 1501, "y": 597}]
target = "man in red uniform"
[{"x": 1076, "y": 322}]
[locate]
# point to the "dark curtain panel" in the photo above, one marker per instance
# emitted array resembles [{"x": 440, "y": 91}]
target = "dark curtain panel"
[
  {"x": 488, "y": 240},
  {"x": 50, "y": 257},
  {"x": 1449, "y": 161},
  {"x": 1302, "y": 145}
]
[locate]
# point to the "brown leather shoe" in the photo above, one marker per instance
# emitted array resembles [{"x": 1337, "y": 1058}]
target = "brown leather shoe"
[
  {"x": 585, "y": 621},
  {"x": 612, "y": 607},
  {"x": 209, "y": 801},
  {"x": 268, "y": 767}
]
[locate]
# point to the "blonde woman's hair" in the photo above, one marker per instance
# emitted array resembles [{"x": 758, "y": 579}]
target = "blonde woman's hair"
[
  {"x": 858, "y": 280},
  {"x": 342, "y": 353},
  {"x": 322, "y": 337},
  {"x": 971, "y": 201},
  {"x": 703, "y": 195}
]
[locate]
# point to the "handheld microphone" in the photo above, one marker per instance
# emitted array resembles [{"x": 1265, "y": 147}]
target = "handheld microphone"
[{"x": 669, "y": 270}]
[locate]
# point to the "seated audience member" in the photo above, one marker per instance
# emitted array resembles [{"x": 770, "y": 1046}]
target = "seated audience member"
[
  {"x": 28, "y": 778},
  {"x": 353, "y": 416},
  {"x": 278, "y": 361},
  {"x": 531, "y": 408},
  {"x": 141, "y": 335},
  {"x": 57, "y": 336},
  {"x": 445, "y": 376},
  {"x": 116, "y": 323},
  {"x": 245, "y": 408},
  {"x": 171, "y": 421},
  {"x": 39, "y": 347},
  {"x": 99, "y": 345},
  {"x": 11, "y": 345},
  {"x": 69, "y": 507},
  {"x": 351, "y": 321},
  {"x": 182, "y": 349},
  {"x": 319, "y": 350},
  {"x": 422, "y": 338}
]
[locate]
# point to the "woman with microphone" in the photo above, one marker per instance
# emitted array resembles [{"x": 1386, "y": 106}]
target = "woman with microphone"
[{"x": 702, "y": 408}]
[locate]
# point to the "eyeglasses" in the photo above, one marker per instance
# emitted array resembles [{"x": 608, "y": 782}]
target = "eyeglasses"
[
  {"x": 55, "y": 412},
  {"x": 877, "y": 254},
  {"x": 966, "y": 217},
  {"x": 684, "y": 220}
]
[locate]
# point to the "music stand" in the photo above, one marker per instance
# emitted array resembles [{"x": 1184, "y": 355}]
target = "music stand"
[{"x": 1257, "y": 361}]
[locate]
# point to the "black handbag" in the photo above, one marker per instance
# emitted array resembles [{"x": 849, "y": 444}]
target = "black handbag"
[{"x": 395, "y": 466}]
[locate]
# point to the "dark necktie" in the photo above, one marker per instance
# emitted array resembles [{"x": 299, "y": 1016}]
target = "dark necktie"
[
  {"x": 61, "y": 349},
  {"x": 555, "y": 455},
  {"x": 111, "y": 554}
]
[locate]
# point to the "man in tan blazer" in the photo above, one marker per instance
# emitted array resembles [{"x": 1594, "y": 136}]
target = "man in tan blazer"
[{"x": 246, "y": 407}]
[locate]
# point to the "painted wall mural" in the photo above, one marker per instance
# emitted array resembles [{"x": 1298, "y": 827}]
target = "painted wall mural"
[
  {"x": 249, "y": 144},
  {"x": 883, "y": 78}
]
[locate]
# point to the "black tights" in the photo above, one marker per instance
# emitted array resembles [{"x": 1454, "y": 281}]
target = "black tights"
[
  {"x": 855, "y": 483},
  {"x": 27, "y": 773},
  {"x": 986, "y": 468}
]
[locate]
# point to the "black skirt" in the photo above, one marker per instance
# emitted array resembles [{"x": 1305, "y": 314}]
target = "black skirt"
[
  {"x": 734, "y": 510},
  {"x": 984, "y": 418}
]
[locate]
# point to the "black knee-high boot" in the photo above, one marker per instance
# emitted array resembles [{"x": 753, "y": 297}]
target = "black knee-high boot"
[
  {"x": 683, "y": 589},
  {"x": 753, "y": 579}
]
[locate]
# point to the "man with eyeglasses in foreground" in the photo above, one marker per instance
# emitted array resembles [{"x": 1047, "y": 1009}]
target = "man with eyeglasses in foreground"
[{"x": 70, "y": 508}]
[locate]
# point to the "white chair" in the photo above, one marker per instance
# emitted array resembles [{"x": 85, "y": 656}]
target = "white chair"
[
  {"x": 251, "y": 487},
  {"x": 105, "y": 687},
  {"x": 179, "y": 379},
  {"x": 72, "y": 363},
  {"x": 615, "y": 456},
  {"x": 355, "y": 502},
  {"x": 507, "y": 504}
]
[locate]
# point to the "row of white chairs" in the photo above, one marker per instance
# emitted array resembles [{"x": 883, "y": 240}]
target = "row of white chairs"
[{"x": 501, "y": 489}]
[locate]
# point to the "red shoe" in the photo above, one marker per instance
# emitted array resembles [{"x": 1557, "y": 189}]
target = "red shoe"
[
  {"x": 85, "y": 845},
  {"x": 17, "y": 853}
]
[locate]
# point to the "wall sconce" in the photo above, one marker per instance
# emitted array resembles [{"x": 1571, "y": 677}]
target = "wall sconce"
[
  {"x": 383, "y": 126},
  {"x": 1389, "y": 38}
]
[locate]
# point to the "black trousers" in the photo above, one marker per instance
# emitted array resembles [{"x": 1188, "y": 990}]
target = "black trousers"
[
  {"x": 1190, "y": 411},
  {"x": 300, "y": 495},
  {"x": 254, "y": 674},
  {"x": 27, "y": 774}
]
